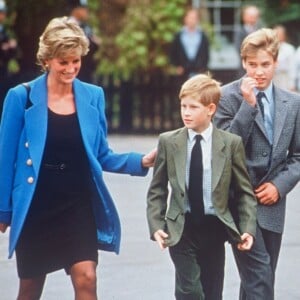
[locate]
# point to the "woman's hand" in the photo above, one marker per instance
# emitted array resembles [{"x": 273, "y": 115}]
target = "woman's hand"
[
  {"x": 3, "y": 227},
  {"x": 148, "y": 159}
]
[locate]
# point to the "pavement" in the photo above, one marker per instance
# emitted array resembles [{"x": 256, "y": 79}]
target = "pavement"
[{"x": 142, "y": 271}]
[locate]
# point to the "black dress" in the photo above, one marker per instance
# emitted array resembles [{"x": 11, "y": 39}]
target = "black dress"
[{"x": 60, "y": 228}]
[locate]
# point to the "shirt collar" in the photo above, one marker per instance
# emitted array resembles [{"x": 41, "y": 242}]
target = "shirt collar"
[
  {"x": 206, "y": 134},
  {"x": 268, "y": 92}
]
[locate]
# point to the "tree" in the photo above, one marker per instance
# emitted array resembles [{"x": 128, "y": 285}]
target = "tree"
[{"x": 148, "y": 27}]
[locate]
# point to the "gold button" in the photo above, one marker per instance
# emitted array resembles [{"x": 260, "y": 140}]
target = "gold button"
[
  {"x": 26, "y": 144},
  {"x": 29, "y": 162},
  {"x": 30, "y": 179}
]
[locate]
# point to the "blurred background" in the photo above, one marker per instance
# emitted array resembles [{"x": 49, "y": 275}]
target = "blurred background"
[{"x": 130, "y": 46}]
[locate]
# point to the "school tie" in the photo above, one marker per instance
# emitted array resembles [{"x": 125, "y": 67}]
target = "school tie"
[
  {"x": 259, "y": 97},
  {"x": 195, "y": 192}
]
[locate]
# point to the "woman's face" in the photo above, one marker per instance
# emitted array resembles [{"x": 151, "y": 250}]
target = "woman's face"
[{"x": 64, "y": 69}]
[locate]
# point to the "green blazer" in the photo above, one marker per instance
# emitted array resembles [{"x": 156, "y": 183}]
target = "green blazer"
[{"x": 167, "y": 212}]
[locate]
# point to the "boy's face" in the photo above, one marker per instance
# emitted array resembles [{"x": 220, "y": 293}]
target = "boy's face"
[
  {"x": 260, "y": 67},
  {"x": 195, "y": 115}
]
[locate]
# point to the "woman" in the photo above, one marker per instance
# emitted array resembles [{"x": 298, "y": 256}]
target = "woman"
[{"x": 52, "y": 193}]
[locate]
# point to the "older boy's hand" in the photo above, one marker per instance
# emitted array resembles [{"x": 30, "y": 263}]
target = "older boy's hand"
[
  {"x": 160, "y": 237},
  {"x": 247, "y": 242},
  {"x": 148, "y": 159},
  {"x": 247, "y": 88},
  {"x": 3, "y": 227},
  {"x": 267, "y": 194}
]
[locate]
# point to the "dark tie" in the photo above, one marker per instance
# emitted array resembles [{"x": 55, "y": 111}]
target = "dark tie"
[
  {"x": 196, "y": 181},
  {"x": 259, "y": 97}
]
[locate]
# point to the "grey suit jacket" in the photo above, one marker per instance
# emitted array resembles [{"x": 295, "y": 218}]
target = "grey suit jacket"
[
  {"x": 167, "y": 212},
  {"x": 280, "y": 163}
]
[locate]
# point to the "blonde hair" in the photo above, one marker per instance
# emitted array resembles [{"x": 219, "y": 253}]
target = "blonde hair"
[
  {"x": 262, "y": 39},
  {"x": 201, "y": 88},
  {"x": 61, "y": 37}
]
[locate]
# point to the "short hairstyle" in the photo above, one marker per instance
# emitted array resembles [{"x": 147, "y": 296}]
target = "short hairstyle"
[
  {"x": 202, "y": 88},
  {"x": 262, "y": 39},
  {"x": 61, "y": 37}
]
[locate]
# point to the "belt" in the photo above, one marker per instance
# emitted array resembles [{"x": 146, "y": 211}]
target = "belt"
[{"x": 55, "y": 167}]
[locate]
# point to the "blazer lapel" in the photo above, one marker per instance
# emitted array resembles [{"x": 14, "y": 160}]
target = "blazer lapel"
[
  {"x": 35, "y": 119},
  {"x": 280, "y": 115},
  {"x": 259, "y": 118},
  {"x": 218, "y": 157},
  {"x": 87, "y": 114},
  {"x": 179, "y": 155}
]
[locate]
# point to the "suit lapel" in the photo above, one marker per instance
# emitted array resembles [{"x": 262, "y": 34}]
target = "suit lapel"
[
  {"x": 218, "y": 157},
  {"x": 259, "y": 118},
  {"x": 179, "y": 145},
  {"x": 280, "y": 114}
]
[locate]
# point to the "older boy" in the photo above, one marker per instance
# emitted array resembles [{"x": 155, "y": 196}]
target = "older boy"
[
  {"x": 268, "y": 120},
  {"x": 198, "y": 218}
]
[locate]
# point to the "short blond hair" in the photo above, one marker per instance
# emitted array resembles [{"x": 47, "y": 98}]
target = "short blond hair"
[
  {"x": 262, "y": 39},
  {"x": 202, "y": 88},
  {"x": 61, "y": 37}
]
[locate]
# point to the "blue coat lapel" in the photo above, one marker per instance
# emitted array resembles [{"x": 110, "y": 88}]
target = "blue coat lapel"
[
  {"x": 36, "y": 121},
  {"x": 87, "y": 114}
]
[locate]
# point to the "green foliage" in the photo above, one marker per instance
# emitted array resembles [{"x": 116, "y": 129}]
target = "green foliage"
[
  {"x": 148, "y": 29},
  {"x": 278, "y": 11}
]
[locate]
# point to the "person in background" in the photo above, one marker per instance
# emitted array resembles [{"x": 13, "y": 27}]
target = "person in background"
[
  {"x": 53, "y": 145},
  {"x": 250, "y": 23},
  {"x": 200, "y": 162},
  {"x": 189, "y": 52},
  {"x": 285, "y": 76},
  {"x": 8, "y": 50},
  {"x": 80, "y": 13},
  {"x": 268, "y": 120}
]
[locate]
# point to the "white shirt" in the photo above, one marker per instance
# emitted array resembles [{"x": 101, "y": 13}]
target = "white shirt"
[{"x": 206, "y": 146}]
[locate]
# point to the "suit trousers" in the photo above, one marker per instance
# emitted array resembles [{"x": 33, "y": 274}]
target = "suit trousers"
[
  {"x": 199, "y": 259},
  {"x": 257, "y": 266}
]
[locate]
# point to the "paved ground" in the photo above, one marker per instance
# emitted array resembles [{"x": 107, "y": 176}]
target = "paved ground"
[{"x": 142, "y": 271}]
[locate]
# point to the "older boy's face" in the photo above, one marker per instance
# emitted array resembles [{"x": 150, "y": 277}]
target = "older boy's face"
[
  {"x": 195, "y": 115},
  {"x": 261, "y": 68}
]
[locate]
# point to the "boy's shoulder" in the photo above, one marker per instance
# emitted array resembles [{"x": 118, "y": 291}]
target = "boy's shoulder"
[
  {"x": 173, "y": 133},
  {"x": 226, "y": 135}
]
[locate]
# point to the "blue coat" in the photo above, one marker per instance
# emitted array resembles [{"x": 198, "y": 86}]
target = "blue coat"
[{"x": 22, "y": 141}]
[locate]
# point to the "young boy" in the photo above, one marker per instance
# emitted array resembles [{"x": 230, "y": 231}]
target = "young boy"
[
  {"x": 197, "y": 218},
  {"x": 268, "y": 121}
]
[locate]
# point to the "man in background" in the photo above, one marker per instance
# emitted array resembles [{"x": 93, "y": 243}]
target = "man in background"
[
  {"x": 80, "y": 13},
  {"x": 250, "y": 23},
  {"x": 190, "y": 48}
]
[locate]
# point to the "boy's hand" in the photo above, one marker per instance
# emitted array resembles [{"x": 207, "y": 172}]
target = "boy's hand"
[
  {"x": 148, "y": 159},
  {"x": 3, "y": 227},
  {"x": 247, "y": 88},
  {"x": 160, "y": 237},
  {"x": 267, "y": 194},
  {"x": 247, "y": 242}
]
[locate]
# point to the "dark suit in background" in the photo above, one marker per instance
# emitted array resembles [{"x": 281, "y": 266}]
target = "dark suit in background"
[
  {"x": 189, "y": 52},
  {"x": 179, "y": 58}
]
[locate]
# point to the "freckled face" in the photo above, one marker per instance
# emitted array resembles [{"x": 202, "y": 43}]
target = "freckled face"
[
  {"x": 260, "y": 67},
  {"x": 195, "y": 115},
  {"x": 64, "y": 69}
]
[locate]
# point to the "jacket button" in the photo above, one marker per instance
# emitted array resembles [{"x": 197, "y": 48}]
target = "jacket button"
[
  {"x": 29, "y": 162},
  {"x": 26, "y": 145},
  {"x": 30, "y": 179}
]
